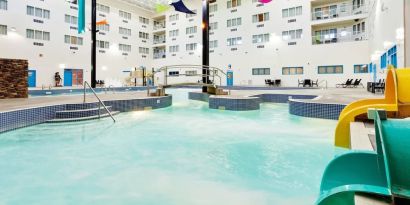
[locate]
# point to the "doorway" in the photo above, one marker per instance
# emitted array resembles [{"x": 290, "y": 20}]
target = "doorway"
[
  {"x": 73, "y": 77},
  {"x": 32, "y": 78}
]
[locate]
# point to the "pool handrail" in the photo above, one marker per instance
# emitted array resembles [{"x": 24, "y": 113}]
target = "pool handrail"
[{"x": 99, "y": 100}]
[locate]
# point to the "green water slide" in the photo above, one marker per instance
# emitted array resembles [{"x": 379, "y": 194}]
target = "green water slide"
[{"x": 384, "y": 172}]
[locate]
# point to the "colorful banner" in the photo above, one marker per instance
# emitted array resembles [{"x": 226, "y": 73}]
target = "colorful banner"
[{"x": 81, "y": 16}]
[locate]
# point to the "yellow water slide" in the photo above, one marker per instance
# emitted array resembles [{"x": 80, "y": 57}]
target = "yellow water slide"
[{"x": 396, "y": 99}]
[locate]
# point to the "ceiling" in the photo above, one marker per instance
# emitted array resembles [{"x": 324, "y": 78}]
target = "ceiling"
[{"x": 146, "y": 4}]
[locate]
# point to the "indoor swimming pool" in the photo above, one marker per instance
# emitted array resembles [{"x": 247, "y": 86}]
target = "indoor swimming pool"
[{"x": 186, "y": 154}]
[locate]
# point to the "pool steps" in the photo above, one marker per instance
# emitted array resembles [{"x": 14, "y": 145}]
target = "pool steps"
[
  {"x": 82, "y": 118},
  {"x": 81, "y": 112}
]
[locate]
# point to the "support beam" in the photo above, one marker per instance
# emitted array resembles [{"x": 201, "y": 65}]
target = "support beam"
[
  {"x": 407, "y": 33},
  {"x": 205, "y": 43},
  {"x": 93, "y": 43}
]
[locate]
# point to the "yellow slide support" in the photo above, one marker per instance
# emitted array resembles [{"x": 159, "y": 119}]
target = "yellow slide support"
[{"x": 396, "y": 99}]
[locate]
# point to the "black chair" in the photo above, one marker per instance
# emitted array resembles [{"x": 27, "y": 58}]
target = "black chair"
[
  {"x": 380, "y": 87},
  {"x": 356, "y": 83},
  {"x": 315, "y": 83},
  {"x": 278, "y": 82},
  {"x": 268, "y": 82},
  {"x": 307, "y": 82},
  {"x": 346, "y": 84},
  {"x": 300, "y": 83}
]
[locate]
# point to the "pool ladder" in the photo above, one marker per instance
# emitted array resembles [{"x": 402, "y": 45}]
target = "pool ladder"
[{"x": 99, "y": 100}]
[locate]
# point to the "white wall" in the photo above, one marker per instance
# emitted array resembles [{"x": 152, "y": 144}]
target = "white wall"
[
  {"x": 386, "y": 21},
  {"x": 56, "y": 52},
  {"x": 383, "y": 26},
  {"x": 276, "y": 54}
]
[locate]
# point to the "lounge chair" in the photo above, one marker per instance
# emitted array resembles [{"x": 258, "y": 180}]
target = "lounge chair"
[
  {"x": 346, "y": 84},
  {"x": 383, "y": 172},
  {"x": 356, "y": 83},
  {"x": 315, "y": 83},
  {"x": 278, "y": 82}
]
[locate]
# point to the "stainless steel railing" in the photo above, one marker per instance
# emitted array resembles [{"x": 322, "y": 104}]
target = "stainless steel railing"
[
  {"x": 107, "y": 89},
  {"x": 99, "y": 100},
  {"x": 321, "y": 82}
]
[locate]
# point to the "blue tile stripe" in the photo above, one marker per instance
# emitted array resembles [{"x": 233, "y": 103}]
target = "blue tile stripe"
[{"x": 11, "y": 120}]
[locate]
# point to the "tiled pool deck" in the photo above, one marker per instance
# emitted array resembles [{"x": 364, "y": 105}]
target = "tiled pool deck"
[{"x": 16, "y": 104}]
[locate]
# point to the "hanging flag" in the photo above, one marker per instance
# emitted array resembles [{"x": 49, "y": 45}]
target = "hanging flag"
[
  {"x": 265, "y": 1},
  {"x": 81, "y": 16},
  {"x": 159, "y": 8},
  {"x": 103, "y": 22},
  {"x": 180, "y": 6}
]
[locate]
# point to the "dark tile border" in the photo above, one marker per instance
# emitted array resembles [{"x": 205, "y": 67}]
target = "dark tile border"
[
  {"x": 11, "y": 120},
  {"x": 296, "y": 104},
  {"x": 234, "y": 104},
  {"x": 282, "y": 98},
  {"x": 204, "y": 97},
  {"x": 315, "y": 110}
]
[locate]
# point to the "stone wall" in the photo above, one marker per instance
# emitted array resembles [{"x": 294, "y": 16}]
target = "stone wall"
[{"x": 13, "y": 78}]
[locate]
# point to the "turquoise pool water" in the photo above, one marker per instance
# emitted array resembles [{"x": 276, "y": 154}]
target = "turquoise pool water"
[{"x": 182, "y": 155}]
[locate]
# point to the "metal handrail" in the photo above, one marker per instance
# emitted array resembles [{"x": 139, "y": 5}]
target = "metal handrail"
[
  {"x": 323, "y": 81},
  {"x": 100, "y": 102},
  {"x": 106, "y": 89},
  {"x": 213, "y": 71}
]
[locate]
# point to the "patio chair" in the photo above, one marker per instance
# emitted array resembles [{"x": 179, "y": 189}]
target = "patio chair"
[
  {"x": 307, "y": 82},
  {"x": 269, "y": 82},
  {"x": 300, "y": 83},
  {"x": 278, "y": 82},
  {"x": 383, "y": 172},
  {"x": 315, "y": 83},
  {"x": 346, "y": 84}
]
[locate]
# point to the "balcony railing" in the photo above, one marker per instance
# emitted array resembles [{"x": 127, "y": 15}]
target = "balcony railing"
[
  {"x": 339, "y": 37},
  {"x": 159, "y": 55},
  {"x": 159, "y": 26},
  {"x": 337, "y": 11},
  {"x": 159, "y": 40}
]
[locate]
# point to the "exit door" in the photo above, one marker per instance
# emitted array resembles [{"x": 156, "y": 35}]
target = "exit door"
[
  {"x": 73, "y": 77},
  {"x": 31, "y": 78}
]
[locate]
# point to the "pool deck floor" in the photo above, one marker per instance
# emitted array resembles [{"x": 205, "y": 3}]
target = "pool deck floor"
[{"x": 331, "y": 95}]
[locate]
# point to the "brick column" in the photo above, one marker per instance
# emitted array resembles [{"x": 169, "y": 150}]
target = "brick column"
[{"x": 13, "y": 78}]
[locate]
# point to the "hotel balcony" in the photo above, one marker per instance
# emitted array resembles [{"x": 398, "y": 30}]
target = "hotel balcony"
[
  {"x": 159, "y": 52},
  {"x": 329, "y": 11},
  {"x": 159, "y": 39},
  {"x": 337, "y": 36},
  {"x": 159, "y": 23}
]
